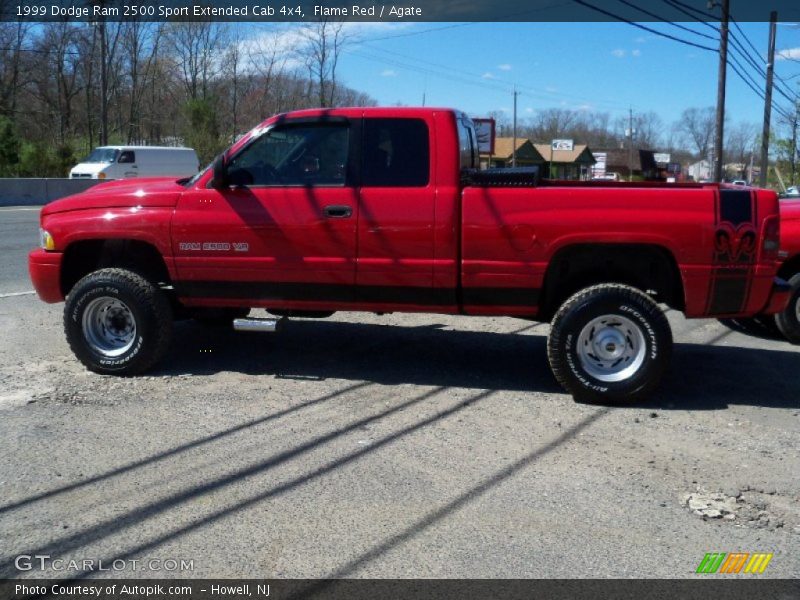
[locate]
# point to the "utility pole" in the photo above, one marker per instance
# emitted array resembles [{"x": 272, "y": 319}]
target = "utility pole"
[
  {"x": 514, "y": 145},
  {"x": 762, "y": 177},
  {"x": 723, "y": 71},
  {"x": 103, "y": 84},
  {"x": 794, "y": 139},
  {"x": 630, "y": 144}
]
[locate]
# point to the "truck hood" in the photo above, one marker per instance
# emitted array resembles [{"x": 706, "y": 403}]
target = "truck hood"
[
  {"x": 88, "y": 168},
  {"x": 155, "y": 191}
]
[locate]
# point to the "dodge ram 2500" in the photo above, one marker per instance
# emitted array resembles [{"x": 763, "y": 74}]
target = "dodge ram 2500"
[{"x": 384, "y": 209}]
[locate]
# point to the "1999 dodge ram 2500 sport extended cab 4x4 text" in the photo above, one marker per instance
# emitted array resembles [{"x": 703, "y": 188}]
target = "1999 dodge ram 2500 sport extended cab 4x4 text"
[{"x": 383, "y": 209}]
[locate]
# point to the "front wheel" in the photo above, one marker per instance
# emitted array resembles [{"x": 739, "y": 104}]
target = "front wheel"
[
  {"x": 789, "y": 320},
  {"x": 609, "y": 343},
  {"x": 117, "y": 322}
]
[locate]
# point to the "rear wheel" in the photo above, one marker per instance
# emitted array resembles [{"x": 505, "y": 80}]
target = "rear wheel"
[
  {"x": 609, "y": 343},
  {"x": 789, "y": 320},
  {"x": 117, "y": 322}
]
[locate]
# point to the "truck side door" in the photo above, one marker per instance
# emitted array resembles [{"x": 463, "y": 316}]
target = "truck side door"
[
  {"x": 284, "y": 234},
  {"x": 397, "y": 214}
]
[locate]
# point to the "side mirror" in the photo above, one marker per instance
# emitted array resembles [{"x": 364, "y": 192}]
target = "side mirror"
[{"x": 220, "y": 171}]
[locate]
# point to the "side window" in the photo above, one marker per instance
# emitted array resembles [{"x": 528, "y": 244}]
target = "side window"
[
  {"x": 127, "y": 156},
  {"x": 396, "y": 153},
  {"x": 314, "y": 154}
]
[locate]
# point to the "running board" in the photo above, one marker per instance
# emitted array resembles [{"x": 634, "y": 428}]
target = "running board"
[{"x": 251, "y": 324}]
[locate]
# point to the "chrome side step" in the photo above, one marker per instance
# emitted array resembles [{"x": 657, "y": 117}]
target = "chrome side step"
[{"x": 252, "y": 324}]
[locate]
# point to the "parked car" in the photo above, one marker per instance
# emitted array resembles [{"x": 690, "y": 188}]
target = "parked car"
[
  {"x": 124, "y": 162},
  {"x": 792, "y": 192},
  {"x": 381, "y": 210},
  {"x": 610, "y": 176},
  {"x": 739, "y": 182}
]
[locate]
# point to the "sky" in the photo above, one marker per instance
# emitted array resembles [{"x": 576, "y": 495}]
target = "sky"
[{"x": 584, "y": 66}]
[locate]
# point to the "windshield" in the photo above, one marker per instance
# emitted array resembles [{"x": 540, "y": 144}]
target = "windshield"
[
  {"x": 193, "y": 179},
  {"x": 102, "y": 155}
]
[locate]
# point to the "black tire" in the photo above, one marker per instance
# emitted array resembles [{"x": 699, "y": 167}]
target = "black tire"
[
  {"x": 787, "y": 321},
  {"x": 631, "y": 320},
  {"x": 147, "y": 308},
  {"x": 218, "y": 317},
  {"x": 760, "y": 326}
]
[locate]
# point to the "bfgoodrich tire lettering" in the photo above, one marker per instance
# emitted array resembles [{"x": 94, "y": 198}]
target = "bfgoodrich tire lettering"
[
  {"x": 117, "y": 322},
  {"x": 609, "y": 343},
  {"x": 789, "y": 320}
]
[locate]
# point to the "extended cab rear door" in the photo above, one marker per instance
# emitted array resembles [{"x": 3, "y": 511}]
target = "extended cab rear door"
[{"x": 397, "y": 198}]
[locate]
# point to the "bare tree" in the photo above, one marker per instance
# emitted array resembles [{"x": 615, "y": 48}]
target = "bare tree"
[
  {"x": 698, "y": 126},
  {"x": 195, "y": 46},
  {"x": 740, "y": 144},
  {"x": 321, "y": 51},
  {"x": 141, "y": 44},
  {"x": 12, "y": 73}
]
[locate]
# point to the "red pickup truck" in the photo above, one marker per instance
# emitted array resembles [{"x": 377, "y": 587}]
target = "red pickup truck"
[{"x": 384, "y": 209}]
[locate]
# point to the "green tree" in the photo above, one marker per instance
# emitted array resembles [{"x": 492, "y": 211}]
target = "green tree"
[
  {"x": 9, "y": 148},
  {"x": 202, "y": 131}
]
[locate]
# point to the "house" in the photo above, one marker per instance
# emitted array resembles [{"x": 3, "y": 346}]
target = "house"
[
  {"x": 575, "y": 164},
  {"x": 527, "y": 155},
  {"x": 700, "y": 171},
  {"x": 561, "y": 164}
]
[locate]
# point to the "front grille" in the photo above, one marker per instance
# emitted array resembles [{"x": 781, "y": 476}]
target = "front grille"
[{"x": 81, "y": 175}]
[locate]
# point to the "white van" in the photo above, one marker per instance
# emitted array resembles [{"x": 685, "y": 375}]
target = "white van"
[{"x": 123, "y": 162}]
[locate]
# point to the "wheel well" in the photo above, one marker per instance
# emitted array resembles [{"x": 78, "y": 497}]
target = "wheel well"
[
  {"x": 84, "y": 257},
  {"x": 647, "y": 267},
  {"x": 789, "y": 267}
]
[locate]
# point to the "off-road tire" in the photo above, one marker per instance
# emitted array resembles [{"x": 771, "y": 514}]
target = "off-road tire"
[
  {"x": 787, "y": 320},
  {"x": 149, "y": 307},
  {"x": 573, "y": 318}
]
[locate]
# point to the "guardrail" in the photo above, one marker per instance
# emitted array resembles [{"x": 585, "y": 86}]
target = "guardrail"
[{"x": 39, "y": 191}]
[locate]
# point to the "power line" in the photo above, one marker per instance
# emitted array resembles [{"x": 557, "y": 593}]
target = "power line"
[
  {"x": 643, "y": 27},
  {"x": 732, "y": 61},
  {"x": 663, "y": 20}
]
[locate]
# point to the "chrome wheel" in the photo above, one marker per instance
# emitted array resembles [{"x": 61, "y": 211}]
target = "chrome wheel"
[
  {"x": 109, "y": 326},
  {"x": 611, "y": 348}
]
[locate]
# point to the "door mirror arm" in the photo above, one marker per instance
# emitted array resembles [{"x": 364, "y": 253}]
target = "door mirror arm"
[{"x": 219, "y": 168}]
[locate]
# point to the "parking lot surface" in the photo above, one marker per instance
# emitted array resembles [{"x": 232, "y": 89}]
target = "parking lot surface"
[{"x": 387, "y": 446}]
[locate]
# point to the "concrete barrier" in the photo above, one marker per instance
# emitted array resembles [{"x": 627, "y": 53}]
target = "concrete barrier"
[{"x": 40, "y": 191}]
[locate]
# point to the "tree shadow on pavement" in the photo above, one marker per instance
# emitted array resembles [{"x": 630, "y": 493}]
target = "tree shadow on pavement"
[{"x": 701, "y": 377}]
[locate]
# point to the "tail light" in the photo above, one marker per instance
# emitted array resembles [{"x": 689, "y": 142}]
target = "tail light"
[{"x": 771, "y": 238}]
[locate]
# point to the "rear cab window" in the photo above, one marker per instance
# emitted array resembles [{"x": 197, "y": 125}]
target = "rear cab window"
[{"x": 396, "y": 153}]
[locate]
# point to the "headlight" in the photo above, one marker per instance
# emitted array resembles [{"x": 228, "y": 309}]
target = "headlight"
[
  {"x": 46, "y": 240},
  {"x": 101, "y": 175}
]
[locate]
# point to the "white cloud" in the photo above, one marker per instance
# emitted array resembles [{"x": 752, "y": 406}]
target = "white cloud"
[
  {"x": 388, "y": 73},
  {"x": 551, "y": 88},
  {"x": 788, "y": 54},
  {"x": 619, "y": 52},
  {"x": 504, "y": 67},
  {"x": 636, "y": 52},
  {"x": 529, "y": 110},
  {"x": 488, "y": 75},
  {"x": 640, "y": 40}
]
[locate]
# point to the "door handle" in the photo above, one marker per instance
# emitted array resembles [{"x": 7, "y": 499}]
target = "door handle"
[{"x": 338, "y": 211}]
